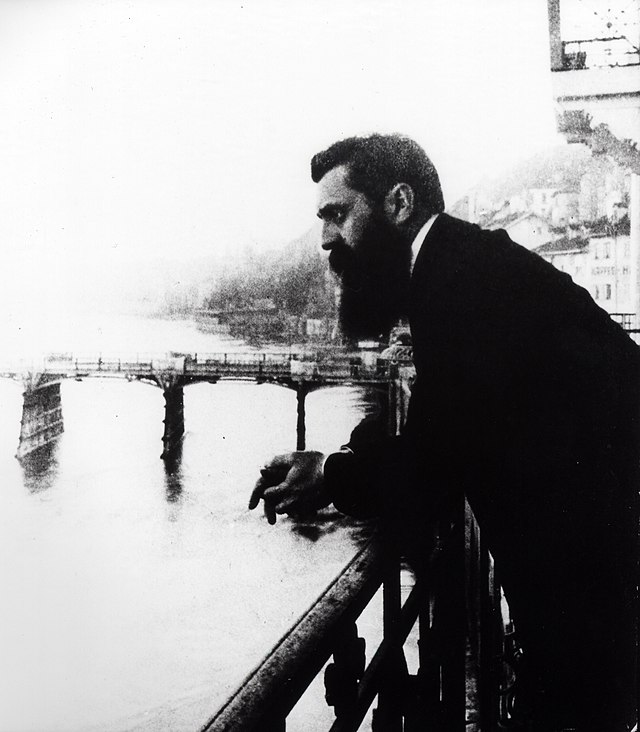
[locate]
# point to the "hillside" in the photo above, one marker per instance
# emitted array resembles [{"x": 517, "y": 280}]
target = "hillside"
[{"x": 559, "y": 167}]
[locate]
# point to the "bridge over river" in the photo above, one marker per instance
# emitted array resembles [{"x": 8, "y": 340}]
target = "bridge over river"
[{"x": 42, "y": 410}]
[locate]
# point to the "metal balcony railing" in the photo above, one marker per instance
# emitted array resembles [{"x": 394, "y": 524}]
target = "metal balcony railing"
[
  {"x": 599, "y": 53},
  {"x": 626, "y": 320},
  {"x": 454, "y": 605}
]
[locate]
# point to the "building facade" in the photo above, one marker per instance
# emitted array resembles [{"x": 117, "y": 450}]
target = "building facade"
[
  {"x": 595, "y": 65},
  {"x": 601, "y": 262}
]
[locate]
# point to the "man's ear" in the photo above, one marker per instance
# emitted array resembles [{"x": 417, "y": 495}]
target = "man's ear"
[{"x": 399, "y": 203}]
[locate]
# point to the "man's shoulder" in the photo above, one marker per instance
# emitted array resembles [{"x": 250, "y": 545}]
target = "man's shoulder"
[
  {"x": 447, "y": 227},
  {"x": 458, "y": 241},
  {"x": 486, "y": 263},
  {"x": 447, "y": 224}
]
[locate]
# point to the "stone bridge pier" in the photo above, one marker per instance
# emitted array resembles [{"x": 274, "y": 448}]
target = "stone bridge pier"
[
  {"x": 173, "y": 391},
  {"x": 302, "y": 389},
  {"x": 41, "y": 414}
]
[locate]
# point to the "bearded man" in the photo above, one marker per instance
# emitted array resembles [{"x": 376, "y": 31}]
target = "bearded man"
[{"x": 526, "y": 400}]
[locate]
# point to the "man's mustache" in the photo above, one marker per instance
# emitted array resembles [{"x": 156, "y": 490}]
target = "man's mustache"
[
  {"x": 341, "y": 258},
  {"x": 344, "y": 263}
]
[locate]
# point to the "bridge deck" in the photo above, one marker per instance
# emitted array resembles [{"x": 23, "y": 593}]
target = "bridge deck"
[{"x": 277, "y": 367}]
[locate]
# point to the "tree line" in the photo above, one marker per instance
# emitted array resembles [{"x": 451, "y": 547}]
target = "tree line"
[{"x": 272, "y": 295}]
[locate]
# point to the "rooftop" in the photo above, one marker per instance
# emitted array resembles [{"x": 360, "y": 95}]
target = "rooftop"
[
  {"x": 606, "y": 227},
  {"x": 563, "y": 244},
  {"x": 508, "y": 220}
]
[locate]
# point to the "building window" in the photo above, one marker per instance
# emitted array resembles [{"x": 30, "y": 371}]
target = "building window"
[
  {"x": 597, "y": 294},
  {"x": 607, "y": 292}
]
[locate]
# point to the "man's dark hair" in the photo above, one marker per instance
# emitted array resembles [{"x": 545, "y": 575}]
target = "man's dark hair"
[{"x": 377, "y": 162}]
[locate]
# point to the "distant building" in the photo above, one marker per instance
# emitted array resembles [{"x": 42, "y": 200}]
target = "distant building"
[
  {"x": 595, "y": 62},
  {"x": 542, "y": 200},
  {"x": 593, "y": 193},
  {"x": 315, "y": 327},
  {"x": 611, "y": 272},
  {"x": 600, "y": 262},
  {"x": 595, "y": 70},
  {"x": 528, "y": 229},
  {"x": 570, "y": 255},
  {"x": 565, "y": 208}
]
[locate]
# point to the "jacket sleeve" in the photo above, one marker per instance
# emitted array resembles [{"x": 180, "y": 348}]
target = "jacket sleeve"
[
  {"x": 358, "y": 478},
  {"x": 388, "y": 477}
]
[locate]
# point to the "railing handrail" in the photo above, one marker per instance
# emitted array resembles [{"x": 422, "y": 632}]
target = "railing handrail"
[
  {"x": 275, "y": 685},
  {"x": 267, "y": 695},
  {"x": 599, "y": 40}
]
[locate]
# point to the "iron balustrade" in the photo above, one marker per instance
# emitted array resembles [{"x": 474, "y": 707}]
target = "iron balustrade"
[
  {"x": 459, "y": 685},
  {"x": 626, "y": 320},
  {"x": 599, "y": 53}
]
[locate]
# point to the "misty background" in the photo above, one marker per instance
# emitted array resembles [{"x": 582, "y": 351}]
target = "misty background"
[{"x": 146, "y": 145}]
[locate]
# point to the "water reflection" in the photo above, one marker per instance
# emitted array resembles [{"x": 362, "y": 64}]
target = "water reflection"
[
  {"x": 174, "y": 483},
  {"x": 40, "y": 468},
  {"x": 173, "y": 479},
  {"x": 314, "y": 527},
  {"x": 328, "y": 521}
]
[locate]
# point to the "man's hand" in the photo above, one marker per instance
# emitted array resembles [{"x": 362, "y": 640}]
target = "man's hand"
[{"x": 292, "y": 483}]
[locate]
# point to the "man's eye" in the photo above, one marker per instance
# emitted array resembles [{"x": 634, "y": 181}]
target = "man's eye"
[{"x": 332, "y": 215}]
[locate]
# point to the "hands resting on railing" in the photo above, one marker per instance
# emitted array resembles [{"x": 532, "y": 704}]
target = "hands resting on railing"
[{"x": 292, "y": 484}]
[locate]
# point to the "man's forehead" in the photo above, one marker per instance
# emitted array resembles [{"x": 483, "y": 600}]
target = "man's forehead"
[{"x": 334, "y": 188}]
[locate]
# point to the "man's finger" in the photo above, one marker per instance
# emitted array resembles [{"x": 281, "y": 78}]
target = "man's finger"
[
  {"x": 276, "y": 493},
  {"x": 258, "y": 492},
  {"x": 268, "y": 477},
  {"x": 272, "y": 473},
  {"x": 283, "y": 494},
  {"x": 282, "y": 497},
  {"x": 270, "y": 512},
  {"x": 284, "y": 506}
]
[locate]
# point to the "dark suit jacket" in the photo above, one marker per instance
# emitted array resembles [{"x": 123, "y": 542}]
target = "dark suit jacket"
[{"x": 527, "y": 400}]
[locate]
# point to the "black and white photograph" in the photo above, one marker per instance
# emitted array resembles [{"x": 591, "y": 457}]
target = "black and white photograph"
[{"x": 319, "y": 365}]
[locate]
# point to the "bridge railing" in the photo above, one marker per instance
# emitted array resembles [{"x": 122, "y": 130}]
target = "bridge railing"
[
  {"x": 78, "y": 363},
  {"x": 455, "y": 687},
  {"x": 342, "y": 367}
]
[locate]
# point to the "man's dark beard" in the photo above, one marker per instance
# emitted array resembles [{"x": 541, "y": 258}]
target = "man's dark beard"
[{"x": 374, "y": 280}]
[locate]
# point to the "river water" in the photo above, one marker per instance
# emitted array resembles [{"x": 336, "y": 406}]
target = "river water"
[{"x": 134, "y": 598}]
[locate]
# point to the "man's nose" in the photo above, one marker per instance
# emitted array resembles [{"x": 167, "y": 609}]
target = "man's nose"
[{"x": 330, "y": 236}]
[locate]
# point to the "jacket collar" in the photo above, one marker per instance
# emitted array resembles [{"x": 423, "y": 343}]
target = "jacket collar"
[{"x": 419, "y": 240}]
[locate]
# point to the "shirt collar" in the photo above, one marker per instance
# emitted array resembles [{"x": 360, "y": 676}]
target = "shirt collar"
[{"x": 419, "y": 240}]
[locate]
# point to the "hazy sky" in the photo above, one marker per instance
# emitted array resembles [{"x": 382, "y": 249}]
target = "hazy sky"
[{"x": 178, "y": 127}]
